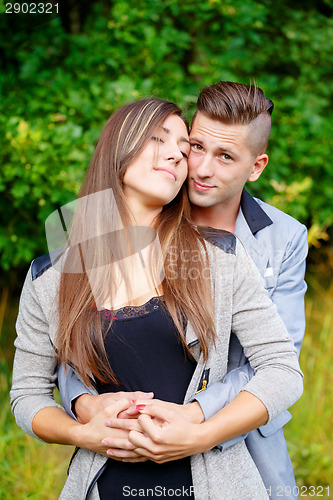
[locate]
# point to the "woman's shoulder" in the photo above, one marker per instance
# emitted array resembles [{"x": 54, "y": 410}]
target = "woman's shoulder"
[
  {"x": 45, "y": 262},
  {"x": 226, "y": 252},
  {"x": 219, "y": 239},
  {"x": 42, "y": 280}
]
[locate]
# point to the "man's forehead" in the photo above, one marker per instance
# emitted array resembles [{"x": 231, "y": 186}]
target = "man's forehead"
[{"x": 206, "y": 129}]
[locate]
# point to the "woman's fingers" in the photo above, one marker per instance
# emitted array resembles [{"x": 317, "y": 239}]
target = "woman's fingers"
[
  {"x": 143, "y": 445},
  {"x": 113, "y": 409},
  {"x": 141, "y": 403},
  {"x": 128, "y": 424},
  {"x": 159, "y": 411},
  {"x": 118, "y": 443}
]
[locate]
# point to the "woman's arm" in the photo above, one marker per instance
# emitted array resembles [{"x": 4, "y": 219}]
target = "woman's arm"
[
  {"x": 34, "y": 376},
  {"x": 53, "y": 425},
  {"x": 267, "y": 345}
]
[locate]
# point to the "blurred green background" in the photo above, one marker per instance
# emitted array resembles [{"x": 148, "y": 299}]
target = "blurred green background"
[{"x": 62, "y": 76}]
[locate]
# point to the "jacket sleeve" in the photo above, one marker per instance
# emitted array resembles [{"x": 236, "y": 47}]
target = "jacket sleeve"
[
  {"x": 288, "y": 294},
  {"x": 35, "y": 361},
  {"x": 265, "y": 340},
  {"x": 70, "y": 388}
]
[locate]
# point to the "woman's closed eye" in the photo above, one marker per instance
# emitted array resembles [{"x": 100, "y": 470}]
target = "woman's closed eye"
[
  {"x": 184, "y": 154},
  {"x": 157, "y": 139}
]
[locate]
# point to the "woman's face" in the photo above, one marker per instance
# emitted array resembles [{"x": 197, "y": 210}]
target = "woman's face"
[{"x": 155, "y": 176}]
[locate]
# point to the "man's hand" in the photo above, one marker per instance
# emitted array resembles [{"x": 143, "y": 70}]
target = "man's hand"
[
  {"x": 162, "y": 432},
  {"x": 87, "y": 406}
]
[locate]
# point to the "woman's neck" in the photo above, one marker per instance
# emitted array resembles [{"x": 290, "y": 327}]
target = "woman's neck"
[{"x": 142, "y": 215}]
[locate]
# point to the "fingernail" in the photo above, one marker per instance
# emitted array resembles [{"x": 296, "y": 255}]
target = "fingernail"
[
  {"x": 109, "y": 453},
  {"x": 148, "y": 394},
  {"x": 104, "y": 442},
  {"x": 140, "y": 407}
]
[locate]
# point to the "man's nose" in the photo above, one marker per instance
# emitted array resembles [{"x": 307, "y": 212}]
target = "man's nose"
[{"x": 204, "y": 168}]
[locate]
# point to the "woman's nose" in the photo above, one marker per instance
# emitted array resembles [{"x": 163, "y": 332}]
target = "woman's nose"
[{"x": 174, "y": 154}]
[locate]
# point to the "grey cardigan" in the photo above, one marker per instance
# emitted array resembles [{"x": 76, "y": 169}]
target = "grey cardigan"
[{"x": 241, "y": 305}]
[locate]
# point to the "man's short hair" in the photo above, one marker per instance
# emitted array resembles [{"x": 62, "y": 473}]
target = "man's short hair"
[{"x": 239, "y": 104}]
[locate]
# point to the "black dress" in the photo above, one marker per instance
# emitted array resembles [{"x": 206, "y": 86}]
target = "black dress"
[{"x": 146, "y": 354}]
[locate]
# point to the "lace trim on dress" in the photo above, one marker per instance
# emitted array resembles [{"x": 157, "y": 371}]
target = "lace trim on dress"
[{"x": 128, "y": 312}]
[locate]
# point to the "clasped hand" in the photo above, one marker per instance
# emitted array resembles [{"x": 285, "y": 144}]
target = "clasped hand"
[{"x": 143, "y": 428}]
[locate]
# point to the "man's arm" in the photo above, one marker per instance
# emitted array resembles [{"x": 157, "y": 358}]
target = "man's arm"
[
  {"x": 81, "y": 404},
  {"x": 70, "y": 388}
]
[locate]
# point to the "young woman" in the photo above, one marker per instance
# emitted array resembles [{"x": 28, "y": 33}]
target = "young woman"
[{"x": 138, "y": 302}]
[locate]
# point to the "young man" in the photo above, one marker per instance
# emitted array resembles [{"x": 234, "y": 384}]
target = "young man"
[{"x": 229, "y": 135}]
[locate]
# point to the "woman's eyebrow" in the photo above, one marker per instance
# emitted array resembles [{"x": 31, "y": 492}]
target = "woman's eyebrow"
[{"x": 182, "y": 139}]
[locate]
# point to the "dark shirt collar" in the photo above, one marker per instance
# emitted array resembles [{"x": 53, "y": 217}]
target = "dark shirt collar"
[{"x": 255, "y": 216}]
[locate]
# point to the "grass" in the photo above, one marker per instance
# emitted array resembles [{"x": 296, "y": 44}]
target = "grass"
[
  {"x": 309, "y": 433},
  {"x": 33, "y": 470}
]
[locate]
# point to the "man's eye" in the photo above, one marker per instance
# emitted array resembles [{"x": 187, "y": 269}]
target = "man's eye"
[
  {"x": 184, "y": 154},
  {"x": 157, "y": 139},
  {"x": 224, "y": 156},
  {"x": 196, "y": 147}
]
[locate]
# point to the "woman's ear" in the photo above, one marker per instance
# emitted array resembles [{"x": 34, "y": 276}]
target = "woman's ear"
[{"x": 259, "y": 164}]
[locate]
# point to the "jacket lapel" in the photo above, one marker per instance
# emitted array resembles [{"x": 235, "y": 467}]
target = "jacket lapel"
[{"x": 251, "y": 219}]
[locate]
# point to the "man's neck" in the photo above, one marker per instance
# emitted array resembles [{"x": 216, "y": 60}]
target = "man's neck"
[{"x": 218, "y": 216}]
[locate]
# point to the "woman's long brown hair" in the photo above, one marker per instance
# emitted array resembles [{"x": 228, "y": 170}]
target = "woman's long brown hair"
[{"x": 186, "y": 284}]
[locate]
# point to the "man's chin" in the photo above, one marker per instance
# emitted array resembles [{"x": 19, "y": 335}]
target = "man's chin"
[{"x": 201, "y": 201}]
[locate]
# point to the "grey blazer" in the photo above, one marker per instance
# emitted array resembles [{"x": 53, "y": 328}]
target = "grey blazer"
[{"x": 241, "y": 305}]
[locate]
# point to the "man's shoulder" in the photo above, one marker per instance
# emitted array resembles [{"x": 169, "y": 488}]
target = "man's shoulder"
[{"x": 280, "y": 218}]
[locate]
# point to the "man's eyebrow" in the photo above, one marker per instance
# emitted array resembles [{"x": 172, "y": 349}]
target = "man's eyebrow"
[
  {"x": 194, "y": 139},
  {"x": 182, "y": 139},
  {"x": 219, "y": 149},
  {"x": 226, "y": 151}
]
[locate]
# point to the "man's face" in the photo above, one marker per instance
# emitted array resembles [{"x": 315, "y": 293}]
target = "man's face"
[{"x": 220, "y": 162}]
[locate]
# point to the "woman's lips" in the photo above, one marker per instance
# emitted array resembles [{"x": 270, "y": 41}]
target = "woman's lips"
[
  {"x": 168, "y": 173},
  {"x": 202, "y": 187}
]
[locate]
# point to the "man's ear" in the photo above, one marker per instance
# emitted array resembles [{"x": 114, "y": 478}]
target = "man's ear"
[{"x": 258, "y": 166}]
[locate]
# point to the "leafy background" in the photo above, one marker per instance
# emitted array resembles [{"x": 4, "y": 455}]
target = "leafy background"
[{"x": 63, "y": 75}]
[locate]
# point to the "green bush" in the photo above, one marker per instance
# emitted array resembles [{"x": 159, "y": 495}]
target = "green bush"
[{"x": 60, "y": 86}]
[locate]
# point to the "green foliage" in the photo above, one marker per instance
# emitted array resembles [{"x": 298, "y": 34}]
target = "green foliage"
[{"x": 59, "y": 88}]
